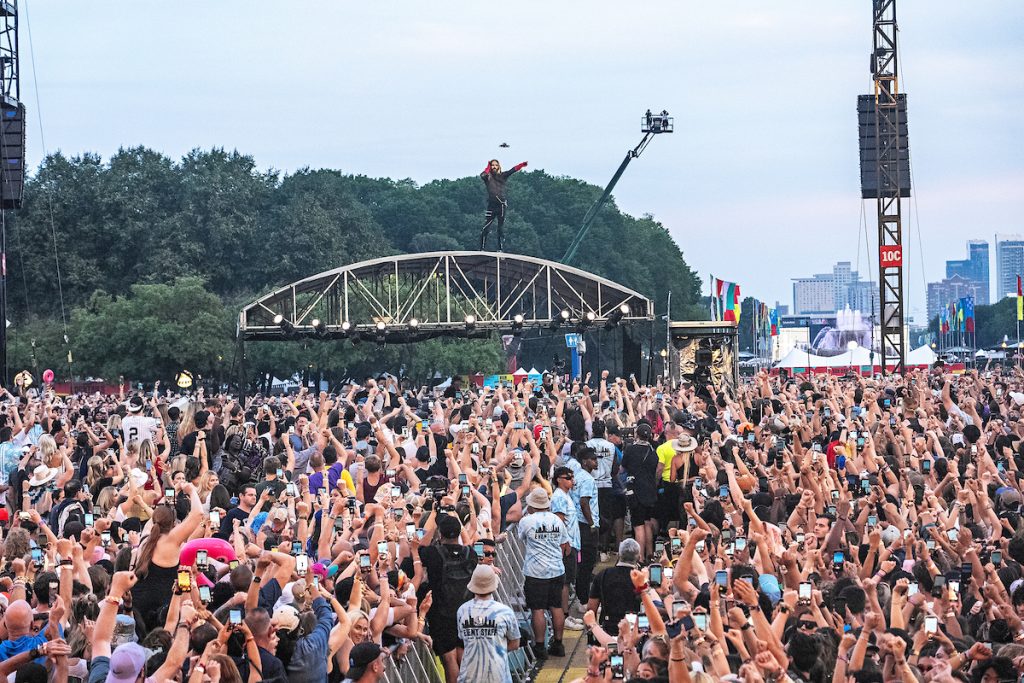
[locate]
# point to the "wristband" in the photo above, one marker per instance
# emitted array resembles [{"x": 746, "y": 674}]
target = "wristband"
[
  {"x": 34, "y": 653},
  {"x": 639, "y": 590},
  {"x": 257, "y": 579}
]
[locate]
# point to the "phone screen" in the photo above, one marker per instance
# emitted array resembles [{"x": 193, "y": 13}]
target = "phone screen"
[
  {"x": 235, "y": 616},
  {"x": 302, "y": 564},
  {"x": 214, "y": 518},
  {"x": 184, "y": 581},
  {"x": 204, "y": 593},
  {"x": 838, "y": 557},
  {"x": 722, "y": 577},
  {"x": 202, "y": 558},
  {"x": 656, "y": 574},
  {"x": 931, "y": 624},
  {"x": 364, "y": 561},
  {"x": 805, "y": 590},
  {"x": 700, "y": 620}
]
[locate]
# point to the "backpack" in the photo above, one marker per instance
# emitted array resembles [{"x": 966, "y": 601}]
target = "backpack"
[{"x": 455, "y": 575}]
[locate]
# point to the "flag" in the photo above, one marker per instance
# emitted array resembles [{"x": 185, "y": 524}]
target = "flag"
[
  {"x": 1020, "y": 301},
  {"x": 960, "y": 315},
  {"x": 944, "y": 320},
  {"x": 968, "y": 313},
  {"x": 725, "y": 302},
  {"x": 773, "y": 318}
]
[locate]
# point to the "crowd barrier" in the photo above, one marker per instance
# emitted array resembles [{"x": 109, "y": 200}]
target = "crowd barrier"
[{"x": 421, "y": 666}]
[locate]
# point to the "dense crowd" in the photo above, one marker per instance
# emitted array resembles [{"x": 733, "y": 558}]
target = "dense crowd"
[{"x": 799, "y": 529}]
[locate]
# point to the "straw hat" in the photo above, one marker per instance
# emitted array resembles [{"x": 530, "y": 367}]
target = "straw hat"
[{"x": 42, "y": 474}]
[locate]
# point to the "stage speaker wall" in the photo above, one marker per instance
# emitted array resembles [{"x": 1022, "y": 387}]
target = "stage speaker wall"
[
  {"x": 897, "y": 171},
  {"x": 632, "y": 355},
  {"x": 12, "y": 155}
]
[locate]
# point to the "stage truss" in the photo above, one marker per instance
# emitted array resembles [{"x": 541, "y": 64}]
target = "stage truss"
[{"x": 411, "y": 297}]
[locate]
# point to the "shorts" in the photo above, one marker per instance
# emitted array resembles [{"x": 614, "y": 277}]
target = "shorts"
[
  {"x": 444, "y": 634},
  {"x": 640, "y": 513},
  {"x": 543, "y": 593},
  {"x": 570, "y": 562},
  {"x": 612, "y": 506}
]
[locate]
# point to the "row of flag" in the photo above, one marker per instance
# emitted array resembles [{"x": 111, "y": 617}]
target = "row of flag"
[
  {"x": 725, "y": 306},
  {"x": 959, "y": 315}
]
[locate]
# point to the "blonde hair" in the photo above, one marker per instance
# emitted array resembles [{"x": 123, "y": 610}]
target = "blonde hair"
[{"x": 47, "y": 447}]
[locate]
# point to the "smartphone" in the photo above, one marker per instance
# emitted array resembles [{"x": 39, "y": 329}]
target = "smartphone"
[
  {"x": 643, "y": 623},
  {"x": 184, "y": 581},
  {"x": 659, "y": 548},
  {"x": 202, "y": 559},
  {"x": 727, "y": 535},
  {"x": 390, "y": 474},
  {"x": 302, "y": 565},
  {"x": 676, "y": 545},
  {"x": 90, "y": 519},
  {"x": 478, "y": 548},
  {"x": 741, "y": 543},
  {"x": 382, "y": 547},
  {"x": 54, "y": 592},
  {"x": 215, "y": 518},
  {"x": 462, "y": 480},
  {"x": 954, "y": 589},
  {"x": 723, "y": 491},
  {"x": 931, "y": 625},
  {"x": 800, "y": 538},
  {"x": 687, "y": 623},
  {"x": 169, "y": 493},
  {"x": 872, "y": 520},
  {"x": 838, "y": 558},
  {"x": 938, "y": 586},
  {"x": 655, "y": 572},
  {"x": 204, "y": 594},
  {"x": 296, "y": 548},
  {"x": 926, "y": 466},
  {"x": 912, "y": 588},
  {"x": 410, "y": 530},
  {"x": 420, "y": 533},
  {"x": 233, "y": 564},
  {"x": 966, "y": 570},
  {"x": 700, "y": 620},
  {"x": 396, "y": 491},
  {"x": 805, "y": 592},
  {"x": 235, "y": 617},
  {"x": 618, "y": 668},
  {"x": 952, "y": 535},
  {"x": 105, "y": 538},
  {"x": 700, "y": 546},
  {"x": 722, "y": 577},
  {"x": 835, "y": 495},
  {"x": 997, "y": 557},
  {"x": 364, "y": 562}
]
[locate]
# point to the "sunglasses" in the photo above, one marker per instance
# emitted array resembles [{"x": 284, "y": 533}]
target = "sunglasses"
[
  {"x": 490, "y": 554},
  {"x": 808, "y": 625}
]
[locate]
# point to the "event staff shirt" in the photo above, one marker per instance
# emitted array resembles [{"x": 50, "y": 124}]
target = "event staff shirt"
[
  {"x": 544, "y": 534},
  {"x": 486, "y": 626}
]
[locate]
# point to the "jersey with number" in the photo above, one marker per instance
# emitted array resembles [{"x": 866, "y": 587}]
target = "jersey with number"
[
  {"x": 486, "y": 626},
  {"x": 137, "y": 428}
]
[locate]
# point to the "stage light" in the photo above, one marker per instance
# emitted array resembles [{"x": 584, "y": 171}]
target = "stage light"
[
  {"x": 285, "y": 325},
  {"x": 346, "y": 327},
  {"x": 562, "y": 317},
  {"x": 320, "y": 327},
  {"x": 382, "y": 331},
  {"x": 616, "y": 317},
  {"x": 517, "y": 324},
  {"x": 414, "y": 323},
  {"x": 382, "y": 326},
  {"x": 470, "y": 321}
]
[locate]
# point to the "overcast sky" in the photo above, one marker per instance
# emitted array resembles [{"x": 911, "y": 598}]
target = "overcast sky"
[{"x": 759, "y": 183}]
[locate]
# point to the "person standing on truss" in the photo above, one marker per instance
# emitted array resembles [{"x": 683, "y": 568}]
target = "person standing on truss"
[{"x": 495, "y": 179}]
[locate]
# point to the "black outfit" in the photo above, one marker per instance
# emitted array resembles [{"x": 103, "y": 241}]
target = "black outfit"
[
  {"x": 641, "y": 462},
  {"x": 496, "y": 203},
  {"x": 613, "y": 587},
  {"x": 441, "y": 617},
  {"x": 227, "y": 522}
]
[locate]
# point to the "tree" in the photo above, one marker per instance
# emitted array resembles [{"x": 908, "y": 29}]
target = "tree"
[{"x": 153, "y": 333}]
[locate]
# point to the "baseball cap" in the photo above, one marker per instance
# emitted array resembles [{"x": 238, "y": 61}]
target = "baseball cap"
[
  {"x": 360, "y": 657},
  {"x": 126, "y": 663}
]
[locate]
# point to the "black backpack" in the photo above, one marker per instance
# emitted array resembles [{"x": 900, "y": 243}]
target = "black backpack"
[{"x": 456, "y": 572}]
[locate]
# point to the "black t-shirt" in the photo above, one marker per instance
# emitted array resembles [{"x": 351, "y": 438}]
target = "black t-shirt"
[
  {"x": 641, "y": 462},
  {"x": 614, "y": 588},
  {"x": 227, "y": 523},
  {"x": 434, "y": 566}
]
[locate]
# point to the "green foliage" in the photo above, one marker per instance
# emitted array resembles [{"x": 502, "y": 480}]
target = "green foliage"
[{"x": 156, "y": 256}]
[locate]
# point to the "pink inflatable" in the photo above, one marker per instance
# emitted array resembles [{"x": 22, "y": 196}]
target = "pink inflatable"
[
  {"x": 217, "y": 549},
  {"x": 47, "y": 376}
]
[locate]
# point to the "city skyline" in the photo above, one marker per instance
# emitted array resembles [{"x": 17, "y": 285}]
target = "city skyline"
[{"x": 378, "y": 90}]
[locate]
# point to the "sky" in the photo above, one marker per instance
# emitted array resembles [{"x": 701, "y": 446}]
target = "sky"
[{"x": 759, "y": 183}]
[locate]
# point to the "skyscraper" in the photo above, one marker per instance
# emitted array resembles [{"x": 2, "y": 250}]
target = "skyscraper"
[
  {"x": 1009, "y": 264},
  {"x": 973, "y": 269},
  {"x": 944, "y": 292},
  {"x": 826, "y": 293}
]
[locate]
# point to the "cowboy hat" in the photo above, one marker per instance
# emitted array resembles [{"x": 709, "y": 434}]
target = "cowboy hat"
[
  {"x": 684, "y": 443},
  {"x": 42, "y": 474}
]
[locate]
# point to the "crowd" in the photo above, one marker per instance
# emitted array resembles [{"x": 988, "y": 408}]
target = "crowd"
[{"x": 795, "y": 529}]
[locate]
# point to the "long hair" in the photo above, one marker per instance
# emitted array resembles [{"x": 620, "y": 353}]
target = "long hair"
[
  {"x": 162, "y": 522},
  {"x": 494, "y": 161},
  {"x": 188, "y": 421},
  {"x": 147, "y": 451},
  {"x": 97, "y": 469},
  {"x": 47, "y": 447}
]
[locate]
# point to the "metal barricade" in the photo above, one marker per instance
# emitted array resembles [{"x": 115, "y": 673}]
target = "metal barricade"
[{"x": 420, "y": 665}]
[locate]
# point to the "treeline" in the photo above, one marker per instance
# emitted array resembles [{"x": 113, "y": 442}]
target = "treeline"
[{"x": 157, "y": 256}]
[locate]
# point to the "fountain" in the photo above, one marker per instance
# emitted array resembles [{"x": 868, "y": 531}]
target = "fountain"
[{"x": 850, "y": 327}]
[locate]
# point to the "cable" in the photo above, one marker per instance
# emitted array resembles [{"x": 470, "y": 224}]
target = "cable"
[{"x": 49, "y": 193}]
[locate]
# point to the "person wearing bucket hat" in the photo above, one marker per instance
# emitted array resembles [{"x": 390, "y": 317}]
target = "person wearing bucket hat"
[
  {"x": 489, "y": 630},
  {"x": 547, "y": 542}
]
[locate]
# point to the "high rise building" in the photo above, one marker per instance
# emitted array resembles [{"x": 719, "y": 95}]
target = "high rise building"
[
  {"x": 1009, "y": 264},
  {"x": 827, "y": 293},
  {"x": 941, "y": 294},
  {"x": 974, "y": 269}
]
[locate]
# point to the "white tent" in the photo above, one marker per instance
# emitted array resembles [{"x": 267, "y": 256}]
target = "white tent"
[{"x": 922, "y": 355}]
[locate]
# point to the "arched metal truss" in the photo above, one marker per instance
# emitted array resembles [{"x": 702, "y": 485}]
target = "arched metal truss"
[{"x": 411, "y": 297}]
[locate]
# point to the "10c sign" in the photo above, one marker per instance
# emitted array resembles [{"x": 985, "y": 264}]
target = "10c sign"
[{"x": 891, "y": 256}]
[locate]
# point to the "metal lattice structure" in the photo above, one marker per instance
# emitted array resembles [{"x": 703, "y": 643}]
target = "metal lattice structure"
[
  {"x": 412, "y": 297},
  {"x": 10, "y": 86},
  {"x": 888, "y": 121}
]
